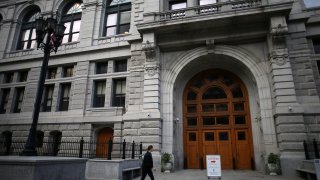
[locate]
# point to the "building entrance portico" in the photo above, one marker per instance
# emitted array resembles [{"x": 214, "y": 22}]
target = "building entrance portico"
[{"x": 216, "y": 120}]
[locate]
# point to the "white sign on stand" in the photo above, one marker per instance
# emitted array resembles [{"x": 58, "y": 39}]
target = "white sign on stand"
[{"x": 213, "y": 166}]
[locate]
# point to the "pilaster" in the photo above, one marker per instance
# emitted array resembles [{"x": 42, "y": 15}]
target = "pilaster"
[{"x": 288, "y": 114}]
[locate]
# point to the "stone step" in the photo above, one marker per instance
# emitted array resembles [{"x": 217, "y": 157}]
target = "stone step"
[{"x": 308, "y": 165}]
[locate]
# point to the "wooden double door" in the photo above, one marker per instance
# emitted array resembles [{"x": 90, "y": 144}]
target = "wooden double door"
[
  {"x": 233, "y": 147},
  {"x": 217, "y": 121}
]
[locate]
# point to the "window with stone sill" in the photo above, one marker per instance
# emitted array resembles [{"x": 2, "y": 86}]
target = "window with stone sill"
[
  {"x": 99, "y": 93},
  {"x": 206, "y": 2},
  {"x": 119, "y": 92},
  {"x": 27, "y": 38},
  {"x": 22, "y": 76},
  {"x": 312, "y": 3},
  {"x": 68, "y": 71},
  {"x": 102, "y": 67},
  {"x": 318, "y": 64},
  {"x": 64, "y": 97},
  {"x": 39, "y": 139},
  {"x": 4, "y": 100},
  {"x": 0, "y": 21},
  {"x": 52, "y": 73},
  {"x": 118, "y": 16},
  {"x": 18, "y": 99},
  {"x": 72, "y": 21},
  {"x": 120, "y": 66},
  {"x": 178, "y": 4},
  {"x": 8, "y": 77},
  {"x": 316, "y": 45},
  {"x": 48, "y": 98},
  {"x": 6, "y": 138}
]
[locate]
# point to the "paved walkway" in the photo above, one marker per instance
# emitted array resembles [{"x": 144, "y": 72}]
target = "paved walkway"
[{"x": 226, "y": 175}]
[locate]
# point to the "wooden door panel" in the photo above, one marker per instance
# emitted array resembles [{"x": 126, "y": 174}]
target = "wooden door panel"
[
  {"x": 224, "y": 149},
  {"x": 209, "y": 145},
  {"x": 192, "y": 150},
  {"x": 102, "y": 142},
  {"x": 243, "y": 155}
]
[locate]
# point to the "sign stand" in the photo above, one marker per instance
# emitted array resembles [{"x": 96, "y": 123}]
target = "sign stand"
[{"x": 213, "y": 166}]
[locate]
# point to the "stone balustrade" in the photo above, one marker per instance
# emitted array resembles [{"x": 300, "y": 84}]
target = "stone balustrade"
[{"x": 202, "y": 10}]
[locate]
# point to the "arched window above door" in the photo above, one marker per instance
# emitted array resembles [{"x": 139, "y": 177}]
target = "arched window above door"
[
  {"x": 27, "y": 39},
  {"x": 71, "y": 17},
  {"x": 214, "y": 93}
]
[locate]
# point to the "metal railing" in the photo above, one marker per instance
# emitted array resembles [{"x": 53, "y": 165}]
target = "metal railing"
[
  {"x": 78, "y": 148},
  {"x": 311, "y": 149}
]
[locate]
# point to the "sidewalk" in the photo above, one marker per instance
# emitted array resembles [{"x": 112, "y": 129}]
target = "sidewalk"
[{"x": 226, "y": 175}]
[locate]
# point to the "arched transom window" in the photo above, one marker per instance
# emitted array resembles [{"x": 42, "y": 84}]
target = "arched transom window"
[
  {"x": 28, "y": 31},
  {"x": 118, "y": 15},
  {"x": 72, "y": 21}
]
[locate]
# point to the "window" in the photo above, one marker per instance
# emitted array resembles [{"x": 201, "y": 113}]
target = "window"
[
  {"x": 118, "y": 16},
  {"x": 173, "y": 5},
  {"x": 1, "y": 18},
  {"x": 47, "y": 99},
  {"x": 311, "y": 3},
  {"x": 316, "y": 45},
  {"x": 119, "y": 92},
  {"x": 102, "y": 68},
  {"x": 23, "y": 76},
  {"x": 52, "y": 73},
  {"x": 39, "y": 139},
  {"x": 4, "y": 100},
  {"x": 72, "y": 21},
  {"x": 68, "y": 71},
  {"x": 65, "y": 97},
  {"x": 6, "y": 140},
  {"x": 205, "y": 2},
  {"x": 54, "y": 142},
  {"x": 18, "y": 100},
  {"x": 8, "y": 77},
  {"x": 28, "y": 31},
  {"x": 120, "y": 66},
  {"x": 99, "y": 93}
]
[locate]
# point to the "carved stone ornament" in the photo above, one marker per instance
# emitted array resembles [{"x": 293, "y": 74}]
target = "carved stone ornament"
[
  {"x": 279, "y": 57},
  {"x": 210, "y": 43},
  {"x": 149, "y": 50},
  {"x": 152, "y": 70}
]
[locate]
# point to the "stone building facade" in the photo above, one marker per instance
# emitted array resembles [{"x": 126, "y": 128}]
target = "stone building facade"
[{"x": 189, "y": 77}]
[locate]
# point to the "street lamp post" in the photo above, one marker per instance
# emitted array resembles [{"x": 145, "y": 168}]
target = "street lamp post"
[{"x": 49, "y": 36}]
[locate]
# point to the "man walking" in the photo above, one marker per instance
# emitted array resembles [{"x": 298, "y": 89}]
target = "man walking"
[{"x": 147, "y": 164}]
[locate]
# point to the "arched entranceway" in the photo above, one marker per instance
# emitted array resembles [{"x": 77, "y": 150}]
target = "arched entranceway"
[
  {"x": 216, "y": 120},
  {"x": 104, "y": 135}
]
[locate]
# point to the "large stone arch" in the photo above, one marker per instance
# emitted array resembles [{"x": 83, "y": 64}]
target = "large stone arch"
[{"x": 255, "y": 78}]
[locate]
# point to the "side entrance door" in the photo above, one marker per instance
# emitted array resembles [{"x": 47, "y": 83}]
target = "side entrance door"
[{"x": 104, "y": 136}]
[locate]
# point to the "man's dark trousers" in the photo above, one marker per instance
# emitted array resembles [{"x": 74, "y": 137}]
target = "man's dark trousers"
[{"x": 145, "y": 172}]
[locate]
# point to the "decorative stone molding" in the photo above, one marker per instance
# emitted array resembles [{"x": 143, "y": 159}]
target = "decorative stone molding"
[
  {"x": 149, "y": 50},
  {"x": 278, "y": 29},
  {"x": 279, "y": 56},
  {"x": 151, "y": 70},
  {"x": 278, "y": 53},
  {"x": 210, "y": 44}
]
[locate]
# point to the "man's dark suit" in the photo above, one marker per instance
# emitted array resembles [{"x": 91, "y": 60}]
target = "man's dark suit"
[{"x": 147, "y": 166}]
